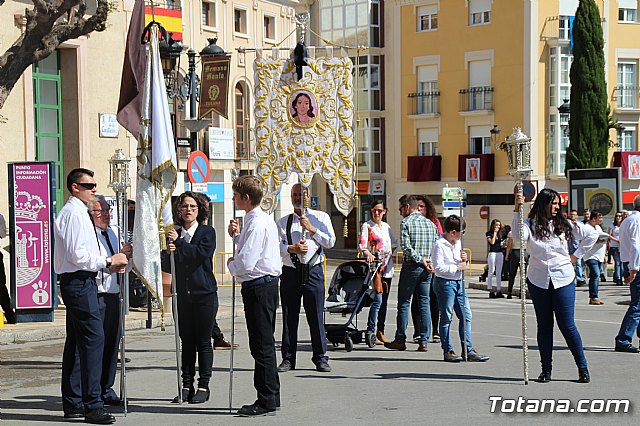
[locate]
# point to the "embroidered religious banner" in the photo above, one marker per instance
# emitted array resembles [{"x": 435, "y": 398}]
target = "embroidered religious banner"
[
  {"x": 305, "y": 126},
  {"x": 215, "y": 81}
]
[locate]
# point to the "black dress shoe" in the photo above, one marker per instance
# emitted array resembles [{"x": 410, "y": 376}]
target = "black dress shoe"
[
  {"x": 627, "y": 348},
  {"x": 200, "y": 396},
  {"x": 583, "y": 375},
  {"x": 74, "y": 413},
  {"x": 544, "y": 377},
  {"x": 187, "y": 394},
  {"x": 112, "y": 401},
  {"x": 99, "y": 416},
  {"x": 256, "y": 410},
  {"x": 285, "y": 366},
  {"x": 323, "y": 367}
]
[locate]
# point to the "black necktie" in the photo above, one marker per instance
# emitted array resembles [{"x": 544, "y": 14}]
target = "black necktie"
[{"x": 105, "y": 234}]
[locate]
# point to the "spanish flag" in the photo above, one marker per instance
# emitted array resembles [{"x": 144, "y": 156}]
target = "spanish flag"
[{"x": 171, "y": 20}]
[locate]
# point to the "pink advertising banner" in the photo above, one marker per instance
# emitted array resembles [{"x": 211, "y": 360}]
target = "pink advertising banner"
[{"x": 32, "y": 239}]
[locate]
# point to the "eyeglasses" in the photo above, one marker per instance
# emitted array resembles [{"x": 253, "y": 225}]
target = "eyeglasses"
[
  {"x": 188, "y": 207},
  {"x": 618, "y": 215},
  {"x": 87, "y": 185},
  {"x": 378, "y": 210}
]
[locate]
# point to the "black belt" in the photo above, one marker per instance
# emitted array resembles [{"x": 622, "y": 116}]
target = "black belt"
[
  {"x": 78, "y": 275},
  {"x": 267, "y": 279},
  {"x": 317, "y": 264}
]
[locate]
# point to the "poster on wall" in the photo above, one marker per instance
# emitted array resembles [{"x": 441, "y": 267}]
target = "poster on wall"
[
  {"x": 473, "y": 170},
  {"x": 31, "y": 222},
  {"x": 634, "y": 167},
  {"x": 596, "y": 190}
]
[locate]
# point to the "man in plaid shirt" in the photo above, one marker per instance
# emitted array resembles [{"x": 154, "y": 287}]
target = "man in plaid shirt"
[{"x": 418, "y": 236}]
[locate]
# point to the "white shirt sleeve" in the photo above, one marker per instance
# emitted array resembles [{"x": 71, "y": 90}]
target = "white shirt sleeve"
[
  {"x": 325, "y": 236},
  {"x": 246, "y": 259}
]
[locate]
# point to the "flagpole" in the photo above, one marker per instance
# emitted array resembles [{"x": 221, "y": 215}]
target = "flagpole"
[{"x": 174, "y": 308}]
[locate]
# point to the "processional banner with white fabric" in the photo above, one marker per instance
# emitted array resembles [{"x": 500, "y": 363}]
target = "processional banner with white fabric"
[{"x": 305, "y": 126}]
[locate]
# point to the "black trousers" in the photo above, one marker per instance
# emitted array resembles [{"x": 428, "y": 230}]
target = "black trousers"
[
  {"x": 195, "y": 322},
  {"x": 312, "y": 297},
  {"x": 5, "y": 299},
  {"x": 260, "y": 304},
  {"x": 84, "y": 344},
  {"x": 514, "y": 265},
  {"x": 415, "y": 311},
  {"x": 109, "y": 304}
]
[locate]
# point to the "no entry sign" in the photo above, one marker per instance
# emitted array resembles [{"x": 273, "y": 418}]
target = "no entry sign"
[{"x": 198, "y": 168}]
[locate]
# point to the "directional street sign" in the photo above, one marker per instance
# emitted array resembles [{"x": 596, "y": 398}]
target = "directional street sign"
[
  {"x": 198, "y": 167},
  {"x": 454, "y": 204},
  {"x": 454, "y": 193}
]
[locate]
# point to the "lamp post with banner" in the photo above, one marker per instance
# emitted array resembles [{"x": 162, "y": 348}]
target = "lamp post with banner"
[
  {"x": 120, "y": 181},
  {"x": 518, "y": 149}
]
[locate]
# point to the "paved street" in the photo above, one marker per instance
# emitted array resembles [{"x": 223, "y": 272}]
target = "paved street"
[{"x": 366, "y": 385}]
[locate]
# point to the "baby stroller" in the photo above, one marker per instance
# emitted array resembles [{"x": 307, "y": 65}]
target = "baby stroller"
[{"x": 351, "y": 289}]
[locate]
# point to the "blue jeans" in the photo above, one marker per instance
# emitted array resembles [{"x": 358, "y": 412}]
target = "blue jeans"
[
  {"x": 617, "y": 264},
  {"x": 561, "y": 303},
  {"x": 578, "y": 268},
  {"x": 451, "y": 298},
  {"x": 594, "y": 277},
  {"x": 413, "y": 275},
  {"x": 632, "y": 317},
  {"x": 378, "y": 309}
]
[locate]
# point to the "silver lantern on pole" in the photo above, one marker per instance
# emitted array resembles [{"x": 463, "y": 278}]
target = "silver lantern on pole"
[
  {"x": 120, "y": 182},
  {"x": 518, "y": 149}
]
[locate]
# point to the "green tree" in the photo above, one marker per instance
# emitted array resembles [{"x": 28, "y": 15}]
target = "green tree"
[
  {"x": 589, "y": 122},
  {"x": 46, "y": 26}
]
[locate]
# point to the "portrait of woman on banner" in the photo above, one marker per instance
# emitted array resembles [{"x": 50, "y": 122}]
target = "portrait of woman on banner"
[{"x": 303, "y": 108}]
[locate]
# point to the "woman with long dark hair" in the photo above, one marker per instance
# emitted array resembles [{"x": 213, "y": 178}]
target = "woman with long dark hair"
[
  {"x": 303, "y": 108},
  {"x": 495, "y": 258},
  {"x": 551, "y": 277},
  {"x": 377, "y": 240},
  {"x": 194, "y": 245}
]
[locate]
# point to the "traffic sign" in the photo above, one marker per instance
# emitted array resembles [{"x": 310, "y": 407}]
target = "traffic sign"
[
  {"x": 484, "y": 212},
  {"x": 454, "y": 193},
  {"x": 447, "y": 213},
  {"x": 528, "y": 190},
  {"x": 198, "y": 167},
  {"x": 454, "y": 204}
]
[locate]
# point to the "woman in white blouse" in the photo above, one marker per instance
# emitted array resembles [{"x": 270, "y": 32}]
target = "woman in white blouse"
[
  {"x": 551, "y": 277},
  {"x": 378, "y": 240}
]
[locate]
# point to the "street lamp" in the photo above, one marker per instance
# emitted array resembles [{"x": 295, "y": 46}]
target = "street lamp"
[
  {"x": 565, "y": 112},
  {"x": 620, "y": 129},
  {"x": 495, "y": 134},
  {"x": 189, "y": 88}
]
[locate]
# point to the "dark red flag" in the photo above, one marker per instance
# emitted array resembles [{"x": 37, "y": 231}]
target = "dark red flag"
[{"x": 132, "y": 83}]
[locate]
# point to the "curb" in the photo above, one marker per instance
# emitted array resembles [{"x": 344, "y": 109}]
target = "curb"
[{"x": 57, "y": 330}]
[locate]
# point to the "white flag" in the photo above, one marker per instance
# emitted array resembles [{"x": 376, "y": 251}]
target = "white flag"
[{"x": 157, "y": 173}]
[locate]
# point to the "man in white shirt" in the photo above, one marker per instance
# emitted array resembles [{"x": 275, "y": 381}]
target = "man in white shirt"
[
  {"x": 108, "y": 297},
  {"x": 256, "y": 264},
  {"x": 77, "y": 260},
  {"x": 303, "y": 236},
  {"x": 5, "y": 298},
  {"x": 630, "y": 256},
  {"x": 595, "y": 256}
]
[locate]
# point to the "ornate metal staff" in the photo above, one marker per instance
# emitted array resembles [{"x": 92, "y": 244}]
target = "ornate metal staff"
[
  {"x": 120, "y": 182},
  {"x": 235, "y": 173},
  {"x": 518, "y": 149}
]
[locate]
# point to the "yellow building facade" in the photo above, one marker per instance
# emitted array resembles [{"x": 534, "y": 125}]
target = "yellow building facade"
[{"x": 467, "y": 65}]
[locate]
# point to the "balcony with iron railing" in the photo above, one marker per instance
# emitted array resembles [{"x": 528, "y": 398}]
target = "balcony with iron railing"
[
  {"x": 476, "y": 99},
  {"x": 424, "y": 103},
  {"x": 626, "y": 97}
]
